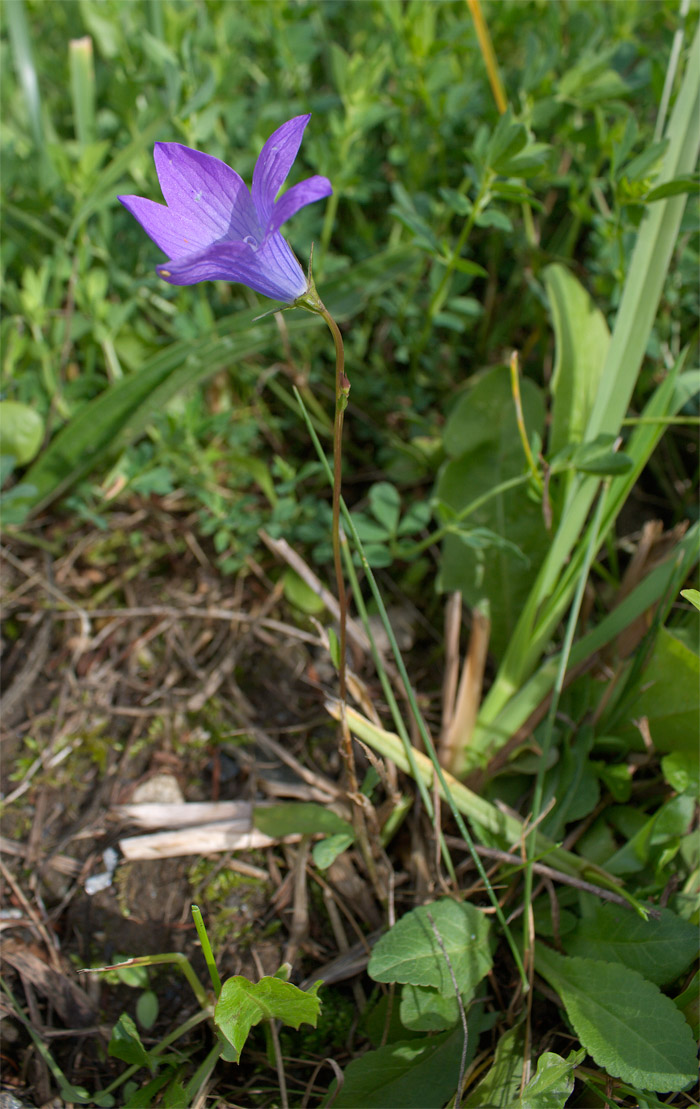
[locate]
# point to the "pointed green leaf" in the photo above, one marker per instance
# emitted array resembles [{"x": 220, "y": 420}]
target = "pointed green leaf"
[
  {"x": 126, "y": 1045},
  {"x": 483, "y": 444},
  {"x": 408, "y": 1074},
  {"x": 550, "y": 1087},
  {"x": 243, "y": 1004},
  {"x": 625, "y": 1023},
  {"x": 299, "y": 818}
]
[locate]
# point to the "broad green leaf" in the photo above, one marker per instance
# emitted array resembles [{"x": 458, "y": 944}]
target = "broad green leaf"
[
  {"x": 408, "y": 1074},
  {"x": 692, "y": 595},
  {"x": 424, "y": 1009},
  {"x": 21, "y": 431},
  {"x": 669, "y": 695},
  {"x": 582, "y": 340},
  {"x": 624, "y": 1022},
  {"x": 243, "y": 1004},
  {"x": 410, "y": 951},
  {"x": 299, "y": 818},
  {"x": 550, "y": 1087},
  {"x": 499, "y": 718},
  {"x": 482, "y": 441},
  {"x": 573, "y": 782},
  {"x": 660, "y": 949},
  {"x": 125, "y": 1043}
]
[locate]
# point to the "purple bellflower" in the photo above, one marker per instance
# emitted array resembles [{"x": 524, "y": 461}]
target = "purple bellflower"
[{"x": 213, "y": 229}]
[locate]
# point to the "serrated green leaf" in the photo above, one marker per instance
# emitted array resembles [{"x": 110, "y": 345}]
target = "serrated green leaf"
[
  {"x": 660, "y": 949},
  {"x": 550, "y": 1087},
  {"x": 243, "y": 1004},
  {"x": 624, "y": 1022},
  {"x": 299, "y": 818},
  {"x": 410, "y": 952},
  {"x": 125, "y": 1043}
]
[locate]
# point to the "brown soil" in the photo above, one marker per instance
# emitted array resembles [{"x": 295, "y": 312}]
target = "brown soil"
[{"x": 124, "y": 673}]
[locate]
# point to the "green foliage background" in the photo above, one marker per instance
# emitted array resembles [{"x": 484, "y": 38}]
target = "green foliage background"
[{"x": 452, "y": 237}]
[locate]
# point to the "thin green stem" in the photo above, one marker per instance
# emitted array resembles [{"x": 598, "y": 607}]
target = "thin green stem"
[
  {"x": 450, "y": 528},
  {"x": 312, "y": 302},
  {"x": 522, "y": 430},
  {"x": 206, "y": 949},
  {"x": 175, "y": 957},
  {"x": 342, "y": 390},
  {"x": 413, "y": 704},
  {"x": 394, "y": 708}
]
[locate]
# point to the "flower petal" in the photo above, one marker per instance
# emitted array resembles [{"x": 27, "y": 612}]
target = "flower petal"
[
  {"x": 209, "y": 197},
  {"x": 270, "y": 269},
  {"x": 306, "y": 192},
  {"x": 175, "y": 236},
  {"x": 275, "y": 161}
]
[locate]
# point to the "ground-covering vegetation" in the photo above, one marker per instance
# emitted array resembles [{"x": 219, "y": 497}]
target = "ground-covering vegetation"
[{"x": 511, "y": 252}]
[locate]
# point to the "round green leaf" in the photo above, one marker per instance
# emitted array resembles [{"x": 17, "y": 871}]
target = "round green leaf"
[{"x": 21, "y": 431}]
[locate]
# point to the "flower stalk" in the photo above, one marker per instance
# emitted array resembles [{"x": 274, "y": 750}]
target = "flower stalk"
[{"x": 313, "y": 303}]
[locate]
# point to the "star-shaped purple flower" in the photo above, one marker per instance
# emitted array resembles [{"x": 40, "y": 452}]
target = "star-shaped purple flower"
[{"x": 213, "y": 229}]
